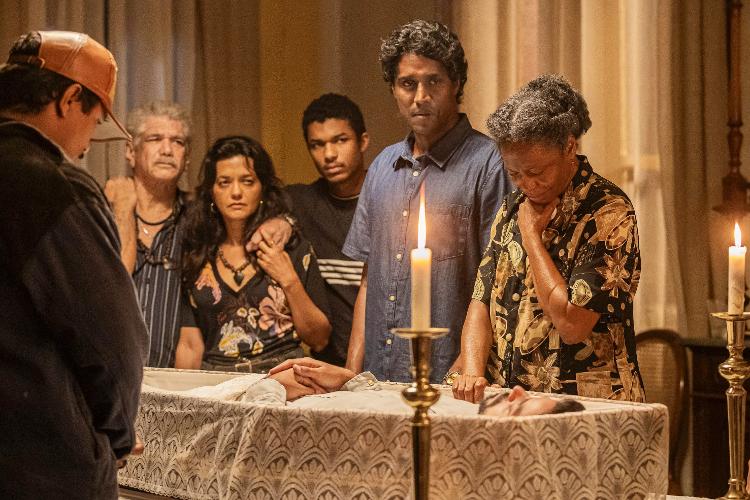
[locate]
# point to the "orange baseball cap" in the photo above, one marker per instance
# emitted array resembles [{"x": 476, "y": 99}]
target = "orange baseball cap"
[{"x": 84, "y": 60}]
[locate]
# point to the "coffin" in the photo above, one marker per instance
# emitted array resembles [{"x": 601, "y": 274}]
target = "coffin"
[{"x": 201, "y": 448}]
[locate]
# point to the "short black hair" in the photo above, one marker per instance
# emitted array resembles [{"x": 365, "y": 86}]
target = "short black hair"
[
  {"x": 564, "y": 405},
  {"x": 491, "y": 401},
  {"x": 334, "y": 106},
  {"x": 428, "y": 39},
  {"x": 28, "y": 89},
  {"x": 567, "y": 405}
]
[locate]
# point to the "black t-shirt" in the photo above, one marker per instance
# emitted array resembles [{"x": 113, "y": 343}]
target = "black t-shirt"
[
  {"x": 254, "y": 321},
  {"x": 325, "y": 221}
]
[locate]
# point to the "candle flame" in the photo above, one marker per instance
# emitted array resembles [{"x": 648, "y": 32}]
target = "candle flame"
[
  {"x": 422, "y": 225},
  {"x": 737, "y": 235}
]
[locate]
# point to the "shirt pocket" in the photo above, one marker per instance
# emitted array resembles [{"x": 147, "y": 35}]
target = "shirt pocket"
[{"x": 448, "y": 226}]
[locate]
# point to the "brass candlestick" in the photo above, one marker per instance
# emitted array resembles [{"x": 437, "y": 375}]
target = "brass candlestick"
[
  {"x": 735, "y": 370},
  {"x": 420, "y": 395}
]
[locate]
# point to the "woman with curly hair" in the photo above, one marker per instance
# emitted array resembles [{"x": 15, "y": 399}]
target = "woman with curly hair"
[
  {"x": 252, "y": 309},
  {"x": 552, "y": 309}
]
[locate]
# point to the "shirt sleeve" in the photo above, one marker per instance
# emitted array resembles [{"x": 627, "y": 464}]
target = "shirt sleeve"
[
  {"x": 266, "y": 392},
  {"x": 488, "y": 265},
  {"x": 187, "y": 314},
  {"x": 312, "y": 280},
  {"x": 364, "y": 381},
  {"x": 357, "y": 244},
  {"x": 79, "y": 286},
  {"x": 607, "y": 266}
]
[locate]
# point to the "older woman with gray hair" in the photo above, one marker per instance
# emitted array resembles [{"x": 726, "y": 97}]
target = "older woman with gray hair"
[{"x": 552, "y": 308}]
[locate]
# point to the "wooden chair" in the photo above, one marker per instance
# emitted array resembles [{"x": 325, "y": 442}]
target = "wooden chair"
[{"x": 663, "y": 364}]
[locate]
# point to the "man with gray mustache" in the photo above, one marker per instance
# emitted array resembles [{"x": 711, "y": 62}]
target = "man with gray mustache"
[{"x": 149, "y": 211}]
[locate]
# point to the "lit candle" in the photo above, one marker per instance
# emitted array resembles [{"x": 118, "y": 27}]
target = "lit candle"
[
  {"x": 737, "y": 274},
  {"x": 421, "y": 263}
]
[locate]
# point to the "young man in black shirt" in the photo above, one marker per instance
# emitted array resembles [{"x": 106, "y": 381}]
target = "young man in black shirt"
[{"x": 335, "y": 134}]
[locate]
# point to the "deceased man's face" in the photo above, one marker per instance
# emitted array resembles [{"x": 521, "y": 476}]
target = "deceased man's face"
[{"x": 516, "y": 403}]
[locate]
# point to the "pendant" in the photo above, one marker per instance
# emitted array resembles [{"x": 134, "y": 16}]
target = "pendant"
[
  {"x": 168, "y": 264},
  {"x": 238, "y": 277}
]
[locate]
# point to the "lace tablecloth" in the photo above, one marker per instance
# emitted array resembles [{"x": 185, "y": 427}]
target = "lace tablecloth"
[{"x": 200, "y": 448}]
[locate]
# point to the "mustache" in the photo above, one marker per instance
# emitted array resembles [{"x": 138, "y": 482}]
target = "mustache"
[{"x": 167, "y": 160}]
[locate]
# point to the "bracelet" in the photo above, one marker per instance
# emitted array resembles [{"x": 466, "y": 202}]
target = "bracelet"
[
  {"x": 451, "y": 377},
  {"x": 290, "y": 219}
]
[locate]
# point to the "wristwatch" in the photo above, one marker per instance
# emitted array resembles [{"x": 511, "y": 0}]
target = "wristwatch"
[
  {"x": 292, "y": 220},
  {"x": 451, "y": 377}
]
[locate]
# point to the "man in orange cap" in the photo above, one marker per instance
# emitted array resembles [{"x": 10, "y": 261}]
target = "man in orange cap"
[{"x": 72, "y": 338}]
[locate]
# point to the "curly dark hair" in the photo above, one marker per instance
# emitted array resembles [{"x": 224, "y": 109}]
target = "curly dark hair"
[
  {"x": 334, "y": 106},
  {"x": 204, "y": 228},
  {"x": 547, "y": 109},
  {"x": 429, "y": 39},
  {"x": 28, "y": 88}
]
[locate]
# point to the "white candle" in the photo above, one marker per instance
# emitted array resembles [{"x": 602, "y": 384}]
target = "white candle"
[
  {"x": 421, "y": 264},
  {"x": 737, "y": 274}
]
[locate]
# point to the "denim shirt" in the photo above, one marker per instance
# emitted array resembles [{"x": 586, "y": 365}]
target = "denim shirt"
[{"x": 465, "y": 182}]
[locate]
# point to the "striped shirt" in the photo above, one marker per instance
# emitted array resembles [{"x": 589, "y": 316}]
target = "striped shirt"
[
  {"x": 159, "y": 290},
  {"x": 341, "y": 272}
]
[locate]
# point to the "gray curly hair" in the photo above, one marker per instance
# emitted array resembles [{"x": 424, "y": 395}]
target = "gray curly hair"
[
  {"x": 429, "y": 39},
  {"x": 547, "y": 109},
  {"x": 136, "y": 120}
]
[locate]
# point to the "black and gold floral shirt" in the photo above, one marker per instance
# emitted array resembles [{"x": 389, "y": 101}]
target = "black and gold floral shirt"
[
  {"x": 254, "y": 321},
  {"x": 593, "y": 241}
]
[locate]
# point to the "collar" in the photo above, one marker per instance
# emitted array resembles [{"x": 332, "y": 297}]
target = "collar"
[
  {"x": 573, "y": 195},
  {"x": 31, "y": 131},
  {"x": 582, "y": 175},
  {"x": 440, "y": 152},
  {"x": 321, "y": 186}
]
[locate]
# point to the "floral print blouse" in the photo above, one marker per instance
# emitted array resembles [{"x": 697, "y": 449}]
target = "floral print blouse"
[
  {"x": 254, "y": 321},
  {"x": 593, "y": 241}
]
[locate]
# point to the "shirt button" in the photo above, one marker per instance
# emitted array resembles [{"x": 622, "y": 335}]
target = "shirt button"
[
  {"x": 415, "y": 173},
  {"x": 404, "y": 213},
  {"x": 388, "y": 342},
  {"x": 398, "y": 256},
  {"x": 391, "y": 298}
]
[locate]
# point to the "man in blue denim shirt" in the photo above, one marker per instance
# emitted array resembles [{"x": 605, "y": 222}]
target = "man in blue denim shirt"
[{"x": 465, "y": 183}]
